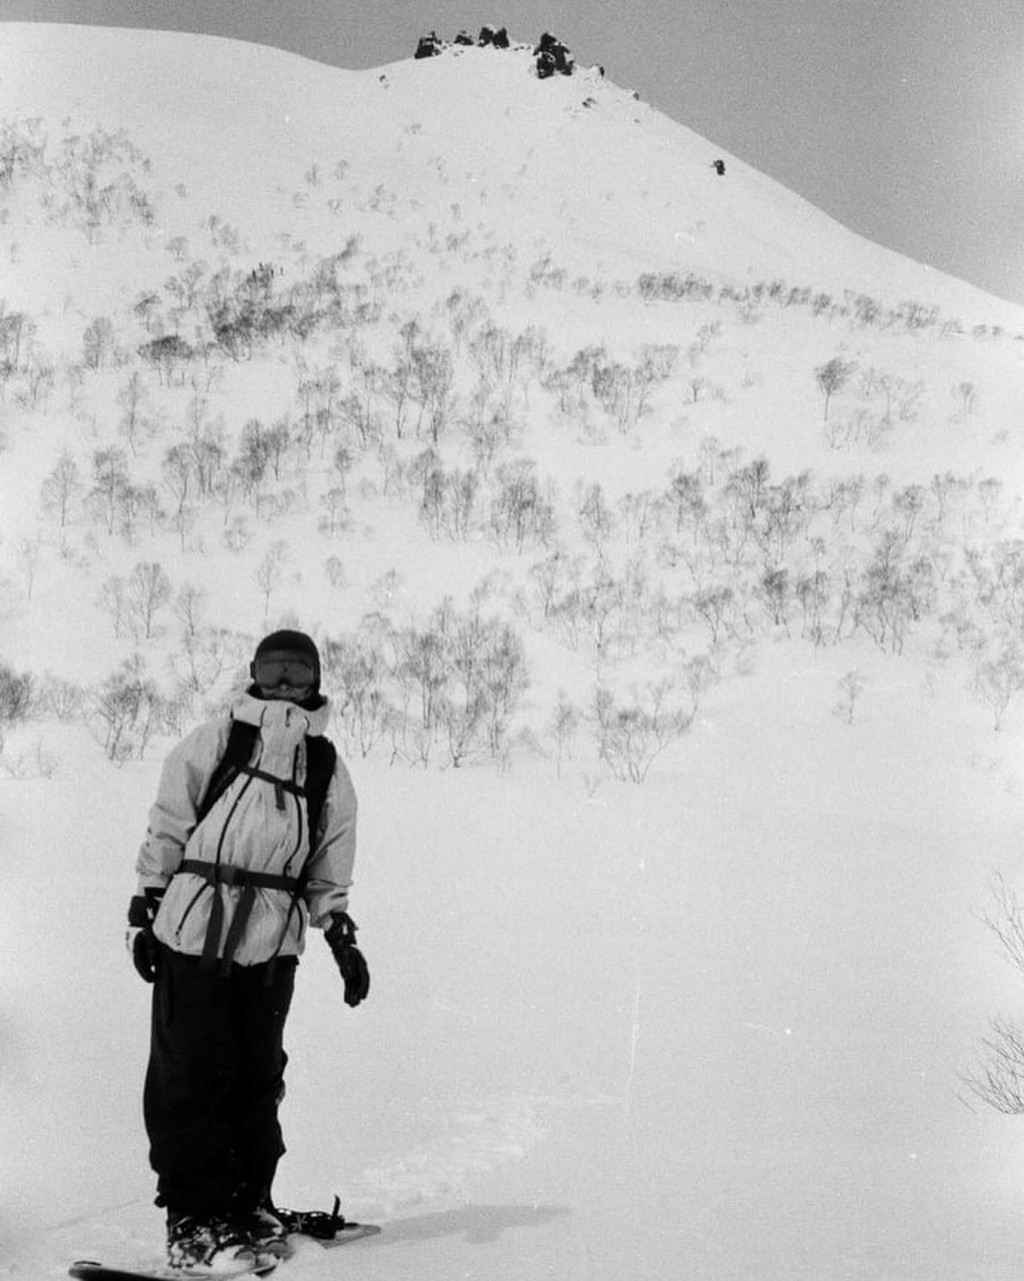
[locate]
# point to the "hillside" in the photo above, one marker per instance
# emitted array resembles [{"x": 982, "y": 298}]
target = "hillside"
[
  {"x": 613, "y": 186},
  {"x": 662, "y": 539}
]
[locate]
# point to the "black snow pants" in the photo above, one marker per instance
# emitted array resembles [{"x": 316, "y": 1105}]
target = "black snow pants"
[{"x": 214, "y": 1082}]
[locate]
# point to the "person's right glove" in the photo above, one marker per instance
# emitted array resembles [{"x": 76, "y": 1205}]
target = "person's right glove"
[
  {"x": 341, "y": 938},
  {"x": 140, "y": 939}
]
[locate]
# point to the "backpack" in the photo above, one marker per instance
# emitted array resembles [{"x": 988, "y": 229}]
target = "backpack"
[
  {"x": 320, "y": 761},
  {"x": 321, "y": 757}
]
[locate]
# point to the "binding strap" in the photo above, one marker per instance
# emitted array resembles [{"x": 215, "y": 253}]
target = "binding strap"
[
  {"x": 313, "y": 1223},
  {"x": 218, "y": 874}
]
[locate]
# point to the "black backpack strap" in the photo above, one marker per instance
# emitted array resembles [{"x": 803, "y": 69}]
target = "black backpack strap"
[
  {"x": 238, "y": 753},
  {"x": 249, "y": 882},
  {"x": 321, "y": 758}
]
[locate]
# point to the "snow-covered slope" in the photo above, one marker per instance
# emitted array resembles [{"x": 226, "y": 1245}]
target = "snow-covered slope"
[
  {"x": 608, "y": 181},
  {"x": 713, "y": 1025}
]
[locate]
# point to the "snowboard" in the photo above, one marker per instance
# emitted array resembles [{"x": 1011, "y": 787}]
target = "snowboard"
[
  {"x": 87, "y": 1270},
  {"x": 349, "y": 1232}
]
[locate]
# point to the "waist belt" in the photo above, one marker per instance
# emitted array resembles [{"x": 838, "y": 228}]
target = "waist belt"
[{"x": 221, "y": 874}]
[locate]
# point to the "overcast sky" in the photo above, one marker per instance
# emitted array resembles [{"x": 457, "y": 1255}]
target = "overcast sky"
[{"x": 904, "y": 119}]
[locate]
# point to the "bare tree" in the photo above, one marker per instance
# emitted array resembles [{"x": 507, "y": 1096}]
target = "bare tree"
[
  {"x": 110, "y": 481},
  {"x": 337, "y": 517},
  {"x": 131, "y": 398},
  {"x": 434, "y": 372},
  {"x": 355, "y": 665},
  {"x": 30, "y": 557},
  {"x": 253, "y": 461},
  {"x": 178, "y": 471},
  {"x": 270, "y": 573},
  {"x": 148, "y": 591},
  {"x": 134, "y": 602},
  {"x": 17, "y": 692},
  {"x": 562, "y": 727},
  {"x": 61, "y": 487},
  {"x": 998, "y": 1080},
  {"x": 999, "y": 679},
  {"x": 206, "y": 654},
  {"x": 832, "y": 377},
  {"x": 632, "y": 735},
  {"x": 189, "y": 608},
  {"x": 596, "y": 518},
  {"x": 851, "y": 687},
  {"x": 129, "y": 709},
  {"x": 521, "y": 511}
]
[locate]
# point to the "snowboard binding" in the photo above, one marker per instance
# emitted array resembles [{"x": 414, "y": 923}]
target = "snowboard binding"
[{"x": 320, "y": 1224}]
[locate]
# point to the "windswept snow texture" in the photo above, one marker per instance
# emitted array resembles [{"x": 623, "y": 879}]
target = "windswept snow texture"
[{"x": 710, "y": 1026}]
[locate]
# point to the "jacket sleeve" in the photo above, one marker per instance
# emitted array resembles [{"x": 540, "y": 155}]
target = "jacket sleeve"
[
  {"x": 330, "y": 864},
  {"x": 183, "y": 782}
]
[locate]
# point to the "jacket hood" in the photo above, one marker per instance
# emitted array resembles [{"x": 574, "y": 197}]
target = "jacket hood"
[{"x": 277, "y": 712}]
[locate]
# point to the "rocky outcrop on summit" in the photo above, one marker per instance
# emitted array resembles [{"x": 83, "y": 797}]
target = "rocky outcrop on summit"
[
  {"x": 429, "y": 46},
  {"x": 497, "y": 38},
  {"x": 551, "y": 57}
]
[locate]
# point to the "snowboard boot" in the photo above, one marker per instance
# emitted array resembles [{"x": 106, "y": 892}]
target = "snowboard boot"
[
  {"x": 268, "y": 1235},
  {"x": 207, "y": 1246}
]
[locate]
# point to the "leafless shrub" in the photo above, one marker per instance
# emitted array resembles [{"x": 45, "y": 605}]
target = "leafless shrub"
[
  {"x": 998, "y": 1080},
  {"x": 632, "y": 735}
]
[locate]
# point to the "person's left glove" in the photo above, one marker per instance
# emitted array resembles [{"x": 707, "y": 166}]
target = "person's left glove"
[
  {"x": 140, "y": 939},
  {"x": 341, "y": 939}
]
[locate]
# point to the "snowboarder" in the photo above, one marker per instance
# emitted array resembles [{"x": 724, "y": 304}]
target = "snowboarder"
[{"x": 251, "y": 837}]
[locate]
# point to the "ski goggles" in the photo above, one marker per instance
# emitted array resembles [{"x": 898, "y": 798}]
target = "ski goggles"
[{"x": 291, "y": 669}]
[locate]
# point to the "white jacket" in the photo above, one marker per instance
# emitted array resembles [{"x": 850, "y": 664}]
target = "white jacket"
[{"x": 247, "y": 829}]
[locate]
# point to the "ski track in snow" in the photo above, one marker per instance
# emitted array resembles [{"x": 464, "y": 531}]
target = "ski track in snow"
[
  {"x": 486, "y": 1135},
  {"x": 480, "y": 1136}
]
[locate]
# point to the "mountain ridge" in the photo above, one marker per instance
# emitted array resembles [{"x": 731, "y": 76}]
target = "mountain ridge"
[{"x": 575, "y": 160}]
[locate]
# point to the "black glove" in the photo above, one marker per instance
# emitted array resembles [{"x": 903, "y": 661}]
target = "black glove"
[
  {"x": 140, "y": 938},
  {"x": 341, "y": 939}
]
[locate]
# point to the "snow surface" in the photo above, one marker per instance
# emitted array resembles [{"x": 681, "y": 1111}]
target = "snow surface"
[{"x": 713, "y": 1026}]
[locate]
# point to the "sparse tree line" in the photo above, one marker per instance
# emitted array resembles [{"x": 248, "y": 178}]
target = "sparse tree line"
[
  {"x": 726, "y": 549},
  {"x": 447, "y": 691},
  {"x": 722, "y": 549},
  {"x": 723, "y": 555},
  {"x": 471, "y": 378},
  {"x": 709, "y": 568},
  {"x": 881, "y": 401},
  {"x": 473, "y": 386},
  {"x": 857, "y": 310},
  {"x": 88, "y": 181},
  {"x": 478, "y": 383},
  {"x": 236, "y": 312}
]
